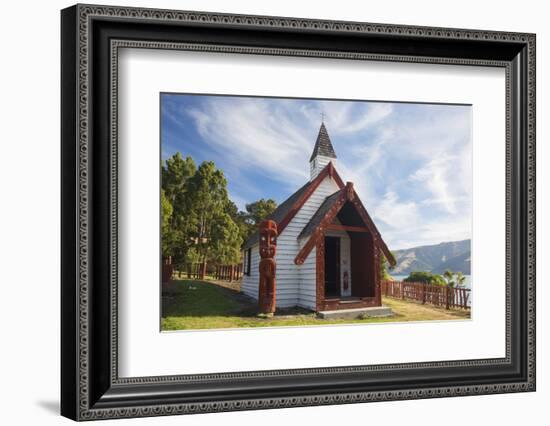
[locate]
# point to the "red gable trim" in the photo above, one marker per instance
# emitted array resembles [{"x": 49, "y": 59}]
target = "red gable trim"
[
  {"x": 329, "y": 170},
  {"x": 347, "y": 194},
  {"x": 320, "y": 230}
]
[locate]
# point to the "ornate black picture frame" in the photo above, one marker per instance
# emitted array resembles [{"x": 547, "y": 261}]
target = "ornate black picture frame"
[{"x": 91, "y": 37}]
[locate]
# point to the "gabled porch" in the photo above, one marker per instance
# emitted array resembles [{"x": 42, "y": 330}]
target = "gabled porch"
[{"x": 347, "y": 248}]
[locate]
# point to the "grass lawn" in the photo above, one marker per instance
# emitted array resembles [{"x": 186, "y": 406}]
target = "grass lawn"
[{"x": 192, "y": 304}]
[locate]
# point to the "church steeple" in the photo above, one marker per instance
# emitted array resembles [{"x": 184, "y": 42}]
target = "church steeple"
[{"x": 322, "y": 154}]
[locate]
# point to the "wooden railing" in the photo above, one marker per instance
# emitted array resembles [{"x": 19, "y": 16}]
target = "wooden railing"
[
  {"x": 196, "y": 270},
  {"x": 445, "y": 296},
  {"x": 167, "y": 269},
  {"x": 229, "y": 272}
]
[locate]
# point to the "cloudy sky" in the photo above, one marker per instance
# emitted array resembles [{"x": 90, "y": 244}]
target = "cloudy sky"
[{"x": 410, "y": 163}]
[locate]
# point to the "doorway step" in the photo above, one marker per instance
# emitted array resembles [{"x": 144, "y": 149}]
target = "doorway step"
[{"x": 375, "y": 311}]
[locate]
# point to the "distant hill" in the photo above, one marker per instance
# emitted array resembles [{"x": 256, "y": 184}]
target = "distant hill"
[{"x": 454, "y": 255}]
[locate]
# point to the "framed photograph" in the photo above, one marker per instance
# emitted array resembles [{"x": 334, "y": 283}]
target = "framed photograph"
[{"x": 263, "y": 212}]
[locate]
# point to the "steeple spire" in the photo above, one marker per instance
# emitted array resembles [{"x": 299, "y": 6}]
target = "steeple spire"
[
  {"x": 323, "y": 152},
  {"x": 323, "y": 145}
]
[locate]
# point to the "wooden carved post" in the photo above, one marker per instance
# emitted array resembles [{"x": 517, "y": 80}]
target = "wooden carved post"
[{"x": 268, "y": 247}]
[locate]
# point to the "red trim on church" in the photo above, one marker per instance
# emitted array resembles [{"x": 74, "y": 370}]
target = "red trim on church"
[
  {"x": 347, "y": 193},
  {"x": 329, "y": 170}
]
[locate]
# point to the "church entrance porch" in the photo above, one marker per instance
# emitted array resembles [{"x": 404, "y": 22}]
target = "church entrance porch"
[
  {"x": 348, "y": 248},
  {"x": 347, "y": 270}
]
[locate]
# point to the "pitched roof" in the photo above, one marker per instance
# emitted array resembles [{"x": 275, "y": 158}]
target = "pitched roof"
[
  {"x": 323, "y": 145},
  {"x": 288, "y": 208},
  {"x": 319, "y": 215},
  {"x": 326, "y": 213},
  {"x": 279, "y": 213}
]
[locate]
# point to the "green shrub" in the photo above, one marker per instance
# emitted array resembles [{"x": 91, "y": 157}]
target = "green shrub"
[{"x": 425, "y": 277}]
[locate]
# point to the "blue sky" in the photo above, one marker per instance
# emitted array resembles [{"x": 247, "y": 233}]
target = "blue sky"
[{"x": 411, "y": 164}]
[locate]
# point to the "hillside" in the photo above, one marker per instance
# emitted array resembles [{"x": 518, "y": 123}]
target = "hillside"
[{"x": 436, "y": 258}]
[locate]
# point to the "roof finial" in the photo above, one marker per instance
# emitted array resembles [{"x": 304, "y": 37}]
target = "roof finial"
[{"x": 322, "y": 116}]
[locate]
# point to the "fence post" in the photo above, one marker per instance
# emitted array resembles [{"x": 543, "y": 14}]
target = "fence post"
[
  {"x": 447, "y": 297},
  {"x": 423, "y": 294},
  {"x": 402, "y": 290}
]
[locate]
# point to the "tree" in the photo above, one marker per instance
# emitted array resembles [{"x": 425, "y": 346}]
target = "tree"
[
  {"x": 255, "y": 213},
  {"x": 175, "y": 174},
  {"x": 226, "y": 240},
  {"x": 460, "y": 279},
  {"x": 425, "y": 277},
  {"x": 213, "y": 232},
  {"x": 384, "y": 274},
  {"x": 241, "y": 220},
  {"x": 449, "y": 275},
  {"x": 166, "y": 234},
  {"x": 259, "y": 210}
]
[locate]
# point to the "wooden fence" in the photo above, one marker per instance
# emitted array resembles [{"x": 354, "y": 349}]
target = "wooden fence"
[
  {"x": 199, "y": 271},
  {"x": 229, "y": 272},
  {"x": 196, "y": 270},
  {"x": 167, "y": 269},
  {"x": 448, "y": 297}
]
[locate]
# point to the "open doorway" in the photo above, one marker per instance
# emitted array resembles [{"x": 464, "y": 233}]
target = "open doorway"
[{"x": 332, "y": 266}]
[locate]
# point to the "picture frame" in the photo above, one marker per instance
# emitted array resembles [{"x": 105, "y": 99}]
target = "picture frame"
[{"x": 90, "y": 385}]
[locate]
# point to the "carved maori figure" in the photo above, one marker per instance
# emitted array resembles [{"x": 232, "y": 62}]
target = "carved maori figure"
[{"x": 268, "y": 247}]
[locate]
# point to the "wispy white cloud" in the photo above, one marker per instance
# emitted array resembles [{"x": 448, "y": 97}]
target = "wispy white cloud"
[
  {"x": 411, "y": 164},
  {"x": 436, "y": 174},
  {"x": 374, "y": 114},
  {"x": 395, "y": 212},
  {"x": 254, "y": 135}
]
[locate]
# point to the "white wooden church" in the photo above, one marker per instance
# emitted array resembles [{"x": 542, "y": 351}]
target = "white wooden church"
[{"x": 328, "y": 247}]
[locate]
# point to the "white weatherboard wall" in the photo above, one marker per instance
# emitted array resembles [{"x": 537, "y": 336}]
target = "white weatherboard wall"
[
  {"x": 295, "y": 284},
  {"x": 317, "y": 165},
  {"x": 307, "y": 272},
  {"x": 308, "y": 280},
  {"x": 250, "y": 283},
  {"x": 288, "y": 273}
]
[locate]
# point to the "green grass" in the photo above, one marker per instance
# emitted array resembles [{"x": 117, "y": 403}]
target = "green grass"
[{"x": 192, "y": 304}]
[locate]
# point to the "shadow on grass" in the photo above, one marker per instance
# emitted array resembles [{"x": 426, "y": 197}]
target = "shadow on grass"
[{"x": 197, "y": 298}]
